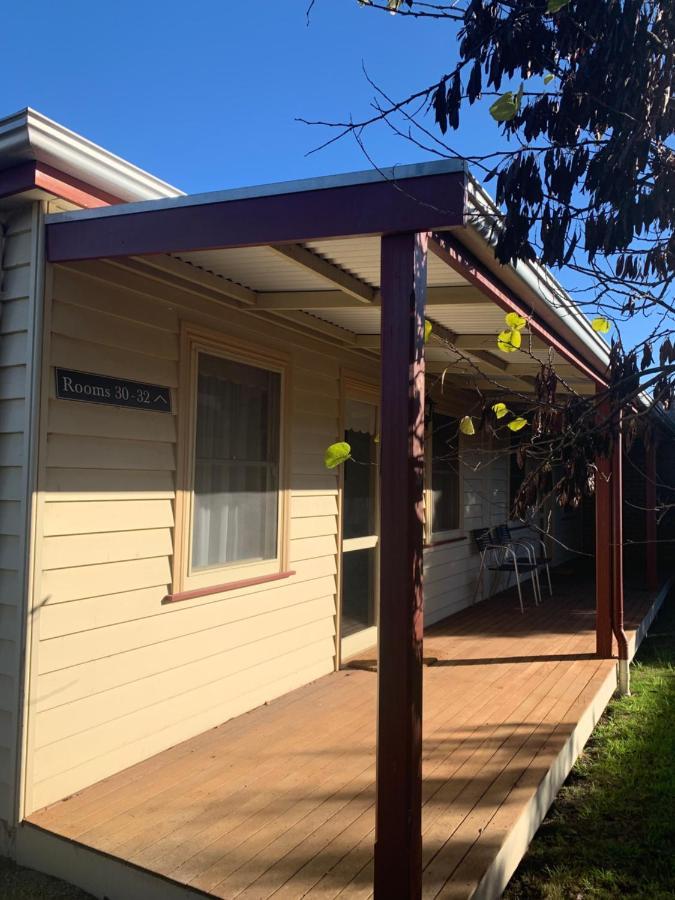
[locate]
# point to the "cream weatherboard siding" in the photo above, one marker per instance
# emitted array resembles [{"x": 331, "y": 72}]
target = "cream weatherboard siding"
[
  {"x": 117, "y": 676},
  {"x": 19, "y": 283}
]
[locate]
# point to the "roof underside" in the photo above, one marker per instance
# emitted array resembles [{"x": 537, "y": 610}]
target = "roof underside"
[{"x": 331, "y": 288}]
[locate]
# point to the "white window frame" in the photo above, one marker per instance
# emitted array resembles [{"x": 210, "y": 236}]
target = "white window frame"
[{"x": 195, "y": 342}]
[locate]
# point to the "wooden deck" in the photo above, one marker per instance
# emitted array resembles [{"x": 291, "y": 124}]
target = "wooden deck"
[{"x": 280, "y": 802}]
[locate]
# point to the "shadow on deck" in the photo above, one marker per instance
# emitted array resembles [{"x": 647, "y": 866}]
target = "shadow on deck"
[{"x": 280, "y": 802}]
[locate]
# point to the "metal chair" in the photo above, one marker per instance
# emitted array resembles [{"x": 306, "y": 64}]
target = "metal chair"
[
  {"x": 501, "y": 558},
  {"x": 540, "y": 556}
]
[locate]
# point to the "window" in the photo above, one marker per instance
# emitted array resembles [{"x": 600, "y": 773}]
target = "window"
[
  {"x": 232, "y": 506},
  {"x": 443, "y": 491}
]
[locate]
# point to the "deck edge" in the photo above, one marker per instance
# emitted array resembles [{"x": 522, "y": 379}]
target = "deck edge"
[
  {"x": 499, "y": 873},
  {"x": 106, "y": 877}
]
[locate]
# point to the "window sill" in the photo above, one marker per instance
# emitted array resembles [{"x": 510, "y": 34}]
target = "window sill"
[
  {"x": 180, "y": 596},
  {"x": 441, "y": 541}
]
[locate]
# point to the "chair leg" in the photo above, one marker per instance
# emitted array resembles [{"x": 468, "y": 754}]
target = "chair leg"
[
  {"x": 520, "y": 593},
  {"x": 537, "y": 587},
  {"x": 548, "y": 575},
  {"x": 480, "y": 584}
]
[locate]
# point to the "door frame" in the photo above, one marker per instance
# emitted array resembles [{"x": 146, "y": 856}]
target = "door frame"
[{"x": 355, "y": 386}]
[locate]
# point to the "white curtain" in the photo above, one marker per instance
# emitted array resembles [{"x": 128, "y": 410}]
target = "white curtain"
[
  {"x": 236, "y": 482},
  {"x": 361, "y": 417}
]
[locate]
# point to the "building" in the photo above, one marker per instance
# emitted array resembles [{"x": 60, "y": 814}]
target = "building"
[{"x": 172, "y": 368}]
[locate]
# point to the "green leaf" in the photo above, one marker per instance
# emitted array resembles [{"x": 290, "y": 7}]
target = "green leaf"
[
  {"x": 548, "y": 78},
  {"x": 509, "y": 341},
  {"x": 466, "y": 426},
  {"x": 337, "y": 454},
  {"x": 500, "y": 410},
  {"x": 601, "y": 324},
  {"x": 553, "y": 6},
  {"x": 428, "y": 328},
  {"x": 505, "y": 107},
  {"x": 517, "y": 424},
  {"x": 513, "y": 320}
]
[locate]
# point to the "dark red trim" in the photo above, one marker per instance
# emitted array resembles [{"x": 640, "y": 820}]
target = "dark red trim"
[
  {"x": 73, "y": 189},
  {"x": 651, "y": 547},
  {"x": 31, "y": 175},
  {"x": 381, "y": 207},
  {"x": 452, "y": 252},
  {"x": 223, "y": 588},
  {"x": 398, "y": 831},
  {"x": 455, "y": 540}
]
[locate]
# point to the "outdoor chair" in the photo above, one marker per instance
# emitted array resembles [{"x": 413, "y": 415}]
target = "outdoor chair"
[
  {"x": 499, "y": 559},
  {"x": 539, "y": 555}
]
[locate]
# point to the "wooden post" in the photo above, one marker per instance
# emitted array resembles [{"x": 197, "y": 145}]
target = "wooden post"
[
  {"x": 651, "y": 547},
  {"x": 617, "y": 564},
  {"x": 603, "y": 552},
  {"x": 398, "y": 840}
]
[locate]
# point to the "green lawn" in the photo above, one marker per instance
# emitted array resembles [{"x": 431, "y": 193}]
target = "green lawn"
[{"x": 611, "y": 832}]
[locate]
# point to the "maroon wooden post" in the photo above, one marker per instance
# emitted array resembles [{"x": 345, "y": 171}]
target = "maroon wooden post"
[
  {"x": 651, "y": 547},
  {"x": 617, "y": 564},
  {"x": 398, "y": 839},
  {"x": 603, "y": 551}
]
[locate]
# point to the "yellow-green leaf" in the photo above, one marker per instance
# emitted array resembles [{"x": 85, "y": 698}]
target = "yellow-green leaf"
[
  {"x": 337, "y": 454},
  {"x": 601, "y": 324},
  {"x": 517, "y": 424},
  {"x": 548, "y": 77},
  {"x": 466, "y": 426},
  {"x": 554, "y": 5},
  {"x": 509, "y": 341},
  {"x": 513, "y": 320},
  {"x": 428, "y": 328},
  {"x": 505, "y": 107},
  {"x": 500, "y": 410}
]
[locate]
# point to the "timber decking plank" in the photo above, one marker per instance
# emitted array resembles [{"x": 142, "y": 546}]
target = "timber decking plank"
[{"x": 280, "y": 802}]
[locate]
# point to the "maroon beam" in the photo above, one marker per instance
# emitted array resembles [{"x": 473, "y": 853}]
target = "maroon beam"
[
  {"x": 617, "y": 548},
  {"x": 379, "y": 207},
  {"x": 651, "y": 546},
  {"x": 603, "y": 560},
  {"x": 398, "y": 840}
]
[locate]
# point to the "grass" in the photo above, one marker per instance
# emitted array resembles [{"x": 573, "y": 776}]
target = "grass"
[{"x": 611, "y": 832}]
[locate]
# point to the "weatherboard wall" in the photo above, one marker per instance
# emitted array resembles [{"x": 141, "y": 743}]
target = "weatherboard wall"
[
  {"x": 116, "y": 674},
  {"x": 19, "y": 274}
]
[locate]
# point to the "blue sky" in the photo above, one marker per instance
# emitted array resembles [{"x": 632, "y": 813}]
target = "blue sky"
[{"x": 206, "y": 95}]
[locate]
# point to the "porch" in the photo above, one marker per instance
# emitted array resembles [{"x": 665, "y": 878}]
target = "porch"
[{"x": 280, "y": 802}]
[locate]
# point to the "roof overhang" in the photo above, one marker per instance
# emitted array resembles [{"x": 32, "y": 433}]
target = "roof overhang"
[
  {"x": 58, "y": 159},
  {"x": 406, "y": 199},
  {"x": 438, "y": 197}
]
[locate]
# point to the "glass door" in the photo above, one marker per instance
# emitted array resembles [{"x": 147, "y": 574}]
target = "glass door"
[{"x": 360, "y": 527}]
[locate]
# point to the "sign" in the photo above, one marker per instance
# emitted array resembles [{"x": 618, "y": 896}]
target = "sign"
[{"x": 90, "y": 388}]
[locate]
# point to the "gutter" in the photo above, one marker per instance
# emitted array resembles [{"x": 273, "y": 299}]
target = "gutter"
[
  {"x": 28, "y": 136},
  {"x": 483, "y": 216}
]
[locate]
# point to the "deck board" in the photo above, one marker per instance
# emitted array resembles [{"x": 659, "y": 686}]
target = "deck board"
[{"x": 280, "y": 802}]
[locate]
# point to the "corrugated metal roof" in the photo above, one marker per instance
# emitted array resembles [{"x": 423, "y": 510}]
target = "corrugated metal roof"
[
  {"x": 258, "y": 268},
  {"x": 361, "y": 257}
]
